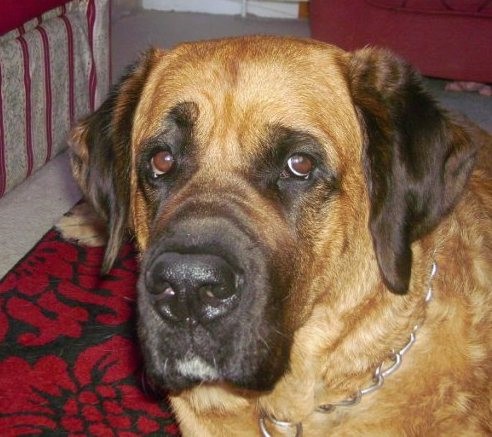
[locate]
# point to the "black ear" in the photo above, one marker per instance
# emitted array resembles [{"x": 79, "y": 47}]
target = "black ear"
[
  {"x": 417, "y": 160},
  {"x": 101, "y": 155}
]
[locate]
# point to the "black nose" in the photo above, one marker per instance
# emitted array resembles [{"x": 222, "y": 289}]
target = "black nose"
[{"x": 192, "y": 287}]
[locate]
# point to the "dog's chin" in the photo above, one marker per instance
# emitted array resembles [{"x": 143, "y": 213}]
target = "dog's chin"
[
  {"x": 186, "y": 375},
  {"x": 177, "y": 384}
]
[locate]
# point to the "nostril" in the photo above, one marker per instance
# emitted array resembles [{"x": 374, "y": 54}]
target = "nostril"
[
  {"x": 214, "y": 295},
  {"x": 163, "y": 289},
  {"x": 168, "y": 292},
  {"x": 164, "y": 296},
  {"x": 165, "y": 299}
]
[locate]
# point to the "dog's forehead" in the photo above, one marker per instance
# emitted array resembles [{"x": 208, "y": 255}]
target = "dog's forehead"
[{"x": 242, "y": 87}]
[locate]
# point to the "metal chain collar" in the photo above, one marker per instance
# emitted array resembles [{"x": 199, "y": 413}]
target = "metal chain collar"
[{"x": 377, "y": 380}]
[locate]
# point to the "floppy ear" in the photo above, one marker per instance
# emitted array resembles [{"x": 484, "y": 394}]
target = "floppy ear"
[
  {"x": 417, "y": 160},
  {"x": 101, "y": 155}
]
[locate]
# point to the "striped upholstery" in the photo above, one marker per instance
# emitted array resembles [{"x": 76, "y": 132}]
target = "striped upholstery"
[{"x": 53, "y": 69}]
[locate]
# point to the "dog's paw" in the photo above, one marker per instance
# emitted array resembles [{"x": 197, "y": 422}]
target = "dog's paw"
[{"x": 83, "y": 225}]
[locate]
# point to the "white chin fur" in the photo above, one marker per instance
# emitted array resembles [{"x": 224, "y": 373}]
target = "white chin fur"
[{"x": 195, "y": 367}]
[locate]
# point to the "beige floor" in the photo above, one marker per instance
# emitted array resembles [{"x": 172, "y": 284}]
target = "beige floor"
[{"x": 33, "y": 208}]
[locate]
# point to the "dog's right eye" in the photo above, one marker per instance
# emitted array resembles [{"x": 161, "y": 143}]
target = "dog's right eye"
[
  {"x": 298, "y": 166},
  {"x": 161, "y": 163}
]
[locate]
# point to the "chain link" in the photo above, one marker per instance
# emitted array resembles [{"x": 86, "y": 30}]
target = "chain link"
[
  {"x": 279, "y": 423},
  {"x": 377, "y": 379},
  {"x": 379, "y": 374}
]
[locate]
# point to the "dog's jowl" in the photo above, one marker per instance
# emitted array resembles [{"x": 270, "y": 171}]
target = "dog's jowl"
[{"x": 315, "y": 236}]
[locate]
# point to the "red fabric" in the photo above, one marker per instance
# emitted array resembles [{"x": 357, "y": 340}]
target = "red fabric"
[
  {"x": 69, "y": 362},
  {"x": 453, "y": 44},
  {"x": 16, "y": 12},
  {"x": 471, "y": 7}
]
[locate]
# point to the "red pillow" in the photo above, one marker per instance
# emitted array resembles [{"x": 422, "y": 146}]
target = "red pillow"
[{"x": 14, "y": 12}]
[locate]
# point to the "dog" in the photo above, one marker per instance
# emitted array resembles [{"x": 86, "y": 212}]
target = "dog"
[{"x": 315, "y": 238}]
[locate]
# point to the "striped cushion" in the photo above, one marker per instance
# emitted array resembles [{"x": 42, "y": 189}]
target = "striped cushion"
[{"x": 53, "y": 69}]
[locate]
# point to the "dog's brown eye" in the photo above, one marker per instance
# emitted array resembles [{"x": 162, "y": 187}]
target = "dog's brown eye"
[
  {"x": 299, "y": 165},
  {"x": 162, "y": 162}
]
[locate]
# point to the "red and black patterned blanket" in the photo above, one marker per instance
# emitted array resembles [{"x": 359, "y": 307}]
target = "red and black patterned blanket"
[{"x": 69, "y": 361}]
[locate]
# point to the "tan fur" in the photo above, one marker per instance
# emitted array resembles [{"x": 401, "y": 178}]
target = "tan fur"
[
  {"x": 345, "y": 320},
  {"x": 83, "y": 225}
]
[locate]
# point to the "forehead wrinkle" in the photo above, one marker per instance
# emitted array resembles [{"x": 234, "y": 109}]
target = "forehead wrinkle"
[
  {"x": 241, "y": 117},
  {"x": 216, "y": 131}
]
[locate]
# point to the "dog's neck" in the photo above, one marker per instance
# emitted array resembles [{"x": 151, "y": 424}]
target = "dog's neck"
[{"x": 383, "y": 371}]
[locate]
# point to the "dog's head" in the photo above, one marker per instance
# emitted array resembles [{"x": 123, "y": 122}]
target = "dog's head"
[{"x": 255, "y": 173}]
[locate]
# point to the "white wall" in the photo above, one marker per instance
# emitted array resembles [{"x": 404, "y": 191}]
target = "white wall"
[{"x": 277, "y": 9}]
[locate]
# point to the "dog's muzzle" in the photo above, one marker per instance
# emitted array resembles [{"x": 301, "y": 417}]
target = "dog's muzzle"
[{"x": 207, "y": 306}]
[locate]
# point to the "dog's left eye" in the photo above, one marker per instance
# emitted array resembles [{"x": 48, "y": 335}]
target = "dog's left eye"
[
  {"x": 298, "y": 165},
  {"x": 161, "y": 163}
]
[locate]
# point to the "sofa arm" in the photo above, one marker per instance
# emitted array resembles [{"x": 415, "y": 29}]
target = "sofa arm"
[{"x": 53, "y": 69}]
